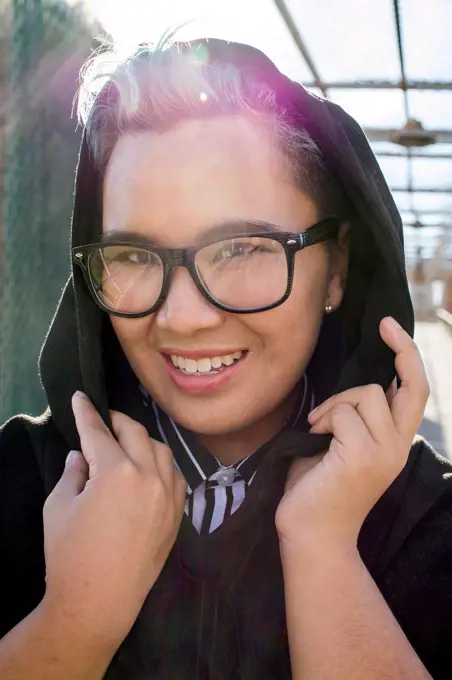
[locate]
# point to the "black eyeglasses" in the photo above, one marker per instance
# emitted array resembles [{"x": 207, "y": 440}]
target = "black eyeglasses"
[{"x": 241, "y": 274}]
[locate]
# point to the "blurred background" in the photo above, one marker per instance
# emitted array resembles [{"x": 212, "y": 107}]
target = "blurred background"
[{"x": 387, "y": 62}]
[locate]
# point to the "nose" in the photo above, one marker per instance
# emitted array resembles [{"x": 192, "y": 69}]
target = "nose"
[{"x": 185, "y": 310}]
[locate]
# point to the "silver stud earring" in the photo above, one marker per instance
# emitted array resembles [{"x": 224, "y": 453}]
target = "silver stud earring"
[{"x": 328, "y": 306}]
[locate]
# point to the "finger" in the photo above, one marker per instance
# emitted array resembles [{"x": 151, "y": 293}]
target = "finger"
[
  {"x": 98, "y": 444},
  {"x": 371, "y": 405},
  {"x": 391, "y": 392},
  {"x": 74, "y": 477},
  {"x": 345, "y": 424},
  {"x": 409, "y": 402},
  {"x": 146, "y": 452},
  {"x": 165, "y": 462},
  {"x": 134, "y": 441},
  {"x": 180, "y": 491}
]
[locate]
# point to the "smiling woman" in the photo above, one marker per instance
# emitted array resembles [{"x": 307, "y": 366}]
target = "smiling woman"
[
  {"x": 214, "y": 159},
  {"x": 236, "y": 256},
  {"x": 198, "y": 187}
]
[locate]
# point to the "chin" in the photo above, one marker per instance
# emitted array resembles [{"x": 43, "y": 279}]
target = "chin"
[{"x": 207, "y": 420}]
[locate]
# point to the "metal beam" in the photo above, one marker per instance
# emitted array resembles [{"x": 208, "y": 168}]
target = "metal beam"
[
  {"x": 293, "y": 30},
  {"x": 390, "y": 154},
  {"x": 422, "y": 190},
  {"x": 384, "y": 135},
  {"x": 384, "y": 85},
  {"x": 403, "y": 87},
  {"x": 445, "y": 213},
  {"x": 401, "y": 56},
  {"x": 427, "y": 226}
]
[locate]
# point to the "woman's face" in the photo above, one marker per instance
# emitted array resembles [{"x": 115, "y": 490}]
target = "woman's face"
[{"x": 174, "y": 187}]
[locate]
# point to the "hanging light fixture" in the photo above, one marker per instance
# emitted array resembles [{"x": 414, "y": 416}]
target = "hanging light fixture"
[{"x": 413, "y": 135}]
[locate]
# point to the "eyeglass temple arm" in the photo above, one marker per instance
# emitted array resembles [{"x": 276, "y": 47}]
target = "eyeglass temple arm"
[
  {"x": 77, "y": 258},
  {"x": 322, "y": 231}
]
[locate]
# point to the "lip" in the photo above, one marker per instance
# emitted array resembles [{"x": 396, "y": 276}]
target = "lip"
[
  {"x": 199, "y": 353},
  {"x": 202, "y": 384}
]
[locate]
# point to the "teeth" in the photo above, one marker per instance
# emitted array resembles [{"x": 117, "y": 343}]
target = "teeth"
[
  {"x": 191, "y": 365},
  {"x": 204, "y": 365}
]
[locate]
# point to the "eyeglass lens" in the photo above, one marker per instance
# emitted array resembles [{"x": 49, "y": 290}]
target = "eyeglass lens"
[{"x": 245, "y": 272}]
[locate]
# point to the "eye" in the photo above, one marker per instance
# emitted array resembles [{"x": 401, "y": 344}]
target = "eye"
[
  {"x": 139, "y": 257},
  {"x": 235, "y": 249},
  {"x": 129, "y": 256}
]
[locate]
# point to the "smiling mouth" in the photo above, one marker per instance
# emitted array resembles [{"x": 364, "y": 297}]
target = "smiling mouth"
[{"x": 205, "y": 365}]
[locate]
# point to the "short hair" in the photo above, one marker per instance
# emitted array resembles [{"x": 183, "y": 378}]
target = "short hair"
[{"x": 155, "y": 87}]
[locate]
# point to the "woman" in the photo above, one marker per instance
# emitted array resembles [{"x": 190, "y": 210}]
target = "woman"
[{"x": 237, "y": 259}]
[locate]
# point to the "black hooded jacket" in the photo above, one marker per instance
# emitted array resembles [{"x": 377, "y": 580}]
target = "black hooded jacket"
[{"x": 217, "y": 610}]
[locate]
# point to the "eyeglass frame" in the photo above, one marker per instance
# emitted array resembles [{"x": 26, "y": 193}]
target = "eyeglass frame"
[{"x": 292, "y": 242}]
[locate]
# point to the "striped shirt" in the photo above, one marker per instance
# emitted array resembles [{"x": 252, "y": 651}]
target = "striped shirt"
[{"x": 214, "y": 490}]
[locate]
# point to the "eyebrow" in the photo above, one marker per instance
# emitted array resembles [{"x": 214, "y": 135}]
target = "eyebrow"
[
  {"x": 221, "y": 230},
  {"x": 117, "y": 235}
]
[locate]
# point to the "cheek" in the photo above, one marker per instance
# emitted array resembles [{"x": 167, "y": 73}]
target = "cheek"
[
  {"x": 309, "y": 292},
  {"x": 290, "y": 332},
  {"x": 133, "y": 334}
]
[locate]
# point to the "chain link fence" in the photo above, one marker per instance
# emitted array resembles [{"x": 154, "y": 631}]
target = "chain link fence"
[{"x": 43, "y": 45}]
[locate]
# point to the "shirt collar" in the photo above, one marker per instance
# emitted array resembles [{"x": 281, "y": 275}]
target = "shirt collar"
[{"x": 196, "y": 463}]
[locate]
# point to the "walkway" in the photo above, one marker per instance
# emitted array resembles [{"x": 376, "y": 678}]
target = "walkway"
[{"x": 434, "y": 340}]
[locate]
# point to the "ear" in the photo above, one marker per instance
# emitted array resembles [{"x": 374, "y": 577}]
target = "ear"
[{"x": 338, "y": 266}]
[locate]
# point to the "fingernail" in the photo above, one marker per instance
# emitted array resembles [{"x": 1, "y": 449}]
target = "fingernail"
[
  {"x": 80, "y": 395},
  {"x": 72, "y": 455},
  {"x": 395, "y": 324},
  {"x": 313, "y": 412},
  {"x": 77, "y": 398}
]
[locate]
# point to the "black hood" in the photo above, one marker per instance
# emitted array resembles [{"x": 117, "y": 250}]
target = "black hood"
[{"x": 73, "y": 356}]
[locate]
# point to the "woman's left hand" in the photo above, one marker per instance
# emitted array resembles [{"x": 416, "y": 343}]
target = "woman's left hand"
[{"x": 327, "y": 497}]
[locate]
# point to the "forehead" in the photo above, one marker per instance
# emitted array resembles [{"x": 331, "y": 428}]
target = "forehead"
[{"x": 174, "y": 185}]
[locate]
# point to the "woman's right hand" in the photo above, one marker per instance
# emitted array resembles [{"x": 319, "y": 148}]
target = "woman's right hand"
[{"x": 109, "y": 524}]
